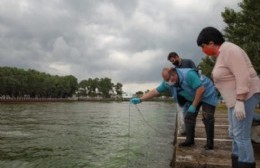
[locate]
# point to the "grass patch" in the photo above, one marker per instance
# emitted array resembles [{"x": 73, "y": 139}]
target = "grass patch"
[{"x": 222, "y": 108}]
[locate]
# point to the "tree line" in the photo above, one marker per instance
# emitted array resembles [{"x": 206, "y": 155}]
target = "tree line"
[
  {"x": 17, "y": 82},
  {"x": 99, "y": 87}
]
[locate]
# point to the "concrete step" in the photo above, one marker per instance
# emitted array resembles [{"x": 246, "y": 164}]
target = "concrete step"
[
  {"x": 217, "y": 119},
  {"x": 197, "y": 156},
  {"x": 255, "y": 135},
  {"x": 219, "y": 143},
  {"x": 221, "y": 132},
  {"x": 257, "y": 153}
]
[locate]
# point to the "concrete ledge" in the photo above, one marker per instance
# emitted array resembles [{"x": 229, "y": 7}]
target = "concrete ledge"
[
  {"x": 204, "y": 139},
  {"x": 255, "y": 134},
  {"x": 198, "y": 157}
]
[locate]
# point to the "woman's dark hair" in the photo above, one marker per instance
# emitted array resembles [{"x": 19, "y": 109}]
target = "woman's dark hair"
[{"x": 210, "y": 34}]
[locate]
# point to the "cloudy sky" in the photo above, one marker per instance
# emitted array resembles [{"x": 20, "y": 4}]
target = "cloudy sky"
[{"x": 126, "y": 41}]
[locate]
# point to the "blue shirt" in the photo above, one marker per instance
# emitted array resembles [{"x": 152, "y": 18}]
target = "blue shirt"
[{"x": 192, "y": 80}]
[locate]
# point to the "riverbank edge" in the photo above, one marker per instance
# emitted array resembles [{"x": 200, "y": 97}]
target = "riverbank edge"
[{"x": 20, "y": 100}]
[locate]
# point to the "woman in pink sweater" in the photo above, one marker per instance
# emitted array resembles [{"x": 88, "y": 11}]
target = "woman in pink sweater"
[{"x": 239, "y": 85}]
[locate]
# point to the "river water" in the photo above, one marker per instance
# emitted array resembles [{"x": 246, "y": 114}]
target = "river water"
[{"x": 86, "y": 135}]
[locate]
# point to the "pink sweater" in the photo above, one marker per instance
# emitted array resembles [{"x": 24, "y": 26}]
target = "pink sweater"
[{"x": 234, "y": 74}]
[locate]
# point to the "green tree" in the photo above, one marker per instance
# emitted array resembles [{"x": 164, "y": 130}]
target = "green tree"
[
  {"x": 105, "y": 86},
  {"x": 139, "y": 93},
  {"x": 118, "y": 89},
  {"x": 71, "y": 85},
  {"x": 84, "y": 87},
  {"x": 243, "y": 29},
  {"x": 92, "y": 86},
  {"x": 18, "y": 83},
  {"x": 206, "y": 66}
]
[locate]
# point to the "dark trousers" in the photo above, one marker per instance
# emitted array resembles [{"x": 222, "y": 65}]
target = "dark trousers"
[{"x": 208, "y": 119}]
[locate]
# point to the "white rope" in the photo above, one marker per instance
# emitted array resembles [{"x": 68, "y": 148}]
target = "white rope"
[
  {"x": 129, "y": 129},
  {"x": 147, "y": 123}
]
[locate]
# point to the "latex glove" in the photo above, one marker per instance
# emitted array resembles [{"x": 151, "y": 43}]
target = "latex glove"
[
  {"x": 135, "y": 100},
  {"x": 240, "y": 110},
  {"x": 192, "y": 109}
]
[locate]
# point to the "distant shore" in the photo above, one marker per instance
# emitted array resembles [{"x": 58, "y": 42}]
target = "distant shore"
[{"x": 22, "y": 99}]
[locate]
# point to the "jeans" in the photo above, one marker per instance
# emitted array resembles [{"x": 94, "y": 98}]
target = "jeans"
[{"x": 240, "y": 131}]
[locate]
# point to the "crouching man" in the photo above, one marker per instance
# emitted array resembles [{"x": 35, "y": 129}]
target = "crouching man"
[{"x": 198, "y": 90}]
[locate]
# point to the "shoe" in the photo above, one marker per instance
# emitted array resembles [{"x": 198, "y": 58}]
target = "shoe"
[
  {"x": 234, "y": 159},
  {"x": 190, "y": 121},
  {"x": 246, "y": 165},
  {"x": 183, "y": 134},
  {"x": 208, "y": 147},
  {"x": 256, "y": 122},
  {"x": 186, "y": 144},
  {"x": 209, "y": 126}
]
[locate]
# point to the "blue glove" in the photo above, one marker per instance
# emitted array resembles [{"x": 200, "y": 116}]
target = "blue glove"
[
  {"x": 192, "y": 109},
  {"x": 135, "y": 100}
]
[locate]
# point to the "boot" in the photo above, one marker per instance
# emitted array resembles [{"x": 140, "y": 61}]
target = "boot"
[
  {"x": 246, "y": 165},
  {"x": 190, "y": 121},
  {"x": 209, "y": 126},
  {"x": 234, "y": 159}
]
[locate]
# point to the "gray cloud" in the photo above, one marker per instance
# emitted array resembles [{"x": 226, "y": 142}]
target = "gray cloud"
[{"x": 127, "y": 41}]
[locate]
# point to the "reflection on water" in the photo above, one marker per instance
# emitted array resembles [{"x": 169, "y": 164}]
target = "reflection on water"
[{"x": 86, "y": 134}]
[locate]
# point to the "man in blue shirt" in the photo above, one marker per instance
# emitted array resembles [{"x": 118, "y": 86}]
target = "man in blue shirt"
[
  {"x": 178, "y": 62},
  {"x": 198, "y": 90}
]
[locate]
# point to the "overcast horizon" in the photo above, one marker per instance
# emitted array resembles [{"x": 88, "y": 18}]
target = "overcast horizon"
[{"x": 126, "y": 41}]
